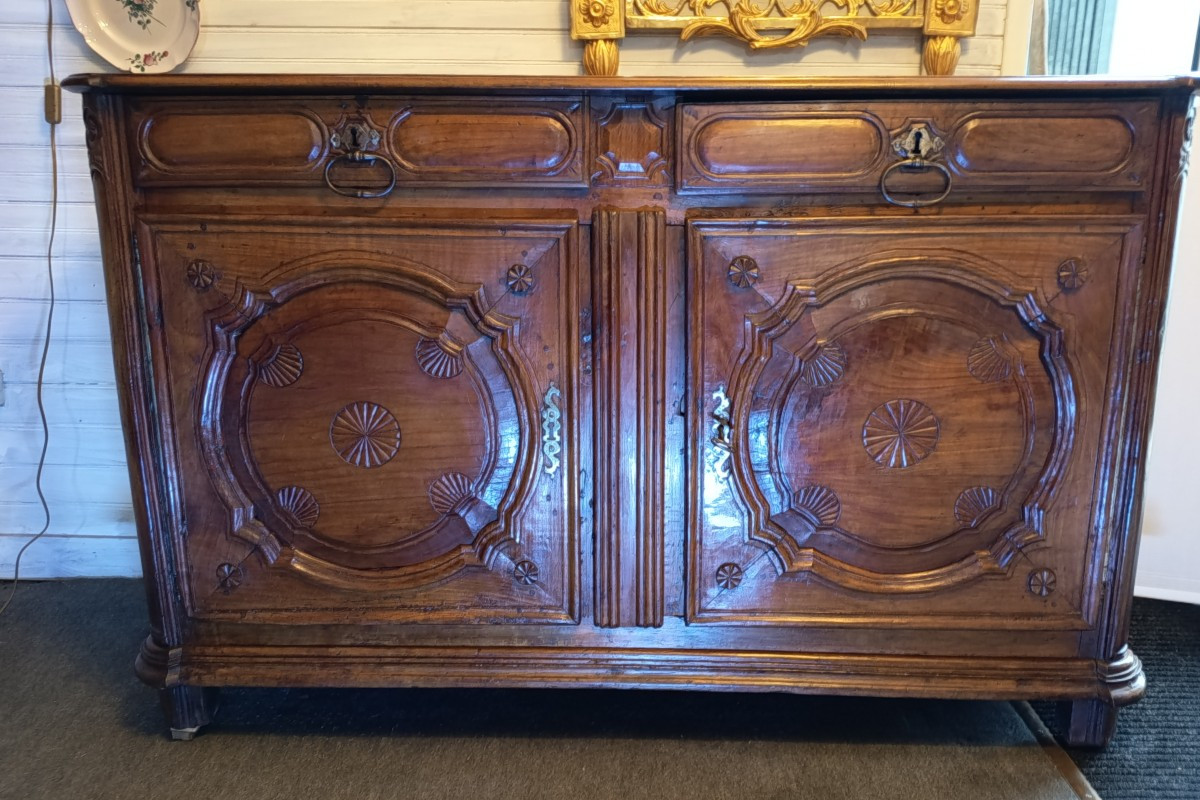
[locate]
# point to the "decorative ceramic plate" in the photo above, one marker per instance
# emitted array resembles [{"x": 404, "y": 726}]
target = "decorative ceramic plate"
[{"x": 139, "y": 35}]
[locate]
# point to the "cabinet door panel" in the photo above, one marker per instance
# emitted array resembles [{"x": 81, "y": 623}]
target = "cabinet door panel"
[
  {"x": 379, "y": 418},
  {"x": 908, "y": 409}
]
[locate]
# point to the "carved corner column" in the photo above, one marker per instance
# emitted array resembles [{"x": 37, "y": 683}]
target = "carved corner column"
[
  {"x": 600, "y": 25},
  {"x": 629, "y": 249},
  {"x": 947, "y": 22}
]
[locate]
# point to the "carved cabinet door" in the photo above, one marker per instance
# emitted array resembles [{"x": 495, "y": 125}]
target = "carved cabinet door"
[
  {"x": 918, "y": 408},
  {"x": 376, "y": 418}
]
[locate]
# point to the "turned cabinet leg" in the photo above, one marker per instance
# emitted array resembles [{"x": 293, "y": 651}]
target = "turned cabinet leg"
[
  {"x": 188, "y": 709},
  {"x": 1088, "y": 723}
]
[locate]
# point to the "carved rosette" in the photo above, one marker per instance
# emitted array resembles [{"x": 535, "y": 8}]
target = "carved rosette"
[
  {"x": 597, "y": 13},
  {"x": 300, "y": 504},
  {"x": 201, "y": 274},
  {"x": 526, "y": 573},
  {"x": 229, "y": 577},
  {"x": 436, "y": 361},
  {"x": 729, "y": 576},
  {"x": 519, "y": 279},
  {"x": 1042, "y": 582},
  {"x": 743, "y": 272},
  {"x": 283, "y": 368},
  {"x": 365, "y": 435},
  {"x": 974, "y": 504},
  {"x": 1073, "y": 274},
  {"x": 901, "y": 433},
  {"x": 951, "y": 11}
]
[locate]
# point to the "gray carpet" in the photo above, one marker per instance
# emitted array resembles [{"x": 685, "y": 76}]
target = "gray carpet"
[
  {"x": 1156, "y": 751},
  {"x": 75, "y": 723}
]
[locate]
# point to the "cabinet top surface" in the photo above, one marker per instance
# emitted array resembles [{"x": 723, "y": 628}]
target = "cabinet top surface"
[{"x": 741, "y": 86}]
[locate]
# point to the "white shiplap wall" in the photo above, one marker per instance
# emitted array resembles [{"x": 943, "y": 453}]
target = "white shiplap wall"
[{"x": 85, "y": 479}]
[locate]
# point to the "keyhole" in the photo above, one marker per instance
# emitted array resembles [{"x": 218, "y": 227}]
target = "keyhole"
[
  {"x": 917, "y": 137},
  {"x": 354, "y": 134}
]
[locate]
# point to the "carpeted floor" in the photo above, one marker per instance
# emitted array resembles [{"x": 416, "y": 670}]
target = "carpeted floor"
[
  {"x": 75, "y": 723},
  {"x": 1155, "y": 754}
]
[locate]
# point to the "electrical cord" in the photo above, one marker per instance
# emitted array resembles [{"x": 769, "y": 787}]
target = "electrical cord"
[{"x": 53, "y": 87}]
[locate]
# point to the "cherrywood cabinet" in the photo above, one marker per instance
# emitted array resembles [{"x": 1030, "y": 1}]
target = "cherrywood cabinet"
[{"x": 792, "y": 386}]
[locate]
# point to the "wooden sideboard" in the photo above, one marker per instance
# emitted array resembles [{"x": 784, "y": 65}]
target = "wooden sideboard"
[{"x": 814, "y": 386}]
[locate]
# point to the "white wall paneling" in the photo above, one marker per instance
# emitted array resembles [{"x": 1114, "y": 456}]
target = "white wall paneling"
[
  {"x": 1169, "y": 563},
  {"x": 86, "y": 481}
]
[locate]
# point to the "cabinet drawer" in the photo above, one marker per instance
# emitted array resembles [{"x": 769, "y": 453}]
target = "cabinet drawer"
[
  {"x": 812, "y": 147},
  {"x": 290, "y": 142}
]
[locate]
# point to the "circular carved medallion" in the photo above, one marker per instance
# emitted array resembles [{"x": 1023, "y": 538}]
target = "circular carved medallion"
[
  {"x": 519, "y": 279},
  {"x": 365, "y": 435},
  {"x": 729, "y": 576},
  {"x": 900, "y": 433},
  {"x": 525, "y": 573},
  {"x": 229, "y": 577},
  {"x": 1043, "y": 582},
  {"x": 1072, "y": 274},
  {"x": 743, "y": 272},
  {"x": 201, "y": 274}
]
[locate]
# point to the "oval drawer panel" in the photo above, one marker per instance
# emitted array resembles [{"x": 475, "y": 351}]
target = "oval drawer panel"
[
  {"x": 781, "y": 148},
  {"x": 496, "y": 144},
  {"x": 184, "y": 144},
  {"x": 987, "y": 143}
]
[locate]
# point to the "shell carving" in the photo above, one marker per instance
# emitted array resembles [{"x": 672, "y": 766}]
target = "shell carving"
[
  {"x": 283, "y": 368},
  {"x": 987, "y": 363},
  {"x": 975, "y": 504},
  {"x": 436, "y": 361},
  {"x": 365, "y": 434},
  {"x": 300, "y": 504},
  {"x": 824, "y": 368},
  {"x": 449, "y": 491},
  {"x": 820, "y": 503}
]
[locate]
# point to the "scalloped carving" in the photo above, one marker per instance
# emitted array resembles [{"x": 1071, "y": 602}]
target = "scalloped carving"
[
  {"x": 820, "y": 503},
  {"x": 901, "y": 433},
  {"x": 283, "y": 368},
  {"x": 300, "y": 504},
  {"x": 987, "y": 363},
  {"x": 826, "y": 367},
  {"x": 436, "y": 361},
  {"x": 448, "y": 491},
  {"x": 365, "y": 434},
  {"x": 974, "y": 504}
]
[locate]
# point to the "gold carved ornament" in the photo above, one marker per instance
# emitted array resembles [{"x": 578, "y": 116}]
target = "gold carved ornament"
[{"x": 766, "y": 24}]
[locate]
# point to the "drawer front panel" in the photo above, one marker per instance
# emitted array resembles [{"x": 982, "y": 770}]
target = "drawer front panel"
[
  {"x": 815, "y": 147},
  {"x": 429, "y": 141},
  {"x": 380, "y": 418},
  {"x": 915, "y": 410}
]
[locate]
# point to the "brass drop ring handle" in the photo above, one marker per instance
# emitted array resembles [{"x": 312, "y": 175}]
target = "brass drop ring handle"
[
  {"x": 915, "y": 165},
  {"x": 359, "y": 157}
]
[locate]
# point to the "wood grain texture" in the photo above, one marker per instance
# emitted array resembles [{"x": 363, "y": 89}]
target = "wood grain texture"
[{"x": 708, "y": 418}]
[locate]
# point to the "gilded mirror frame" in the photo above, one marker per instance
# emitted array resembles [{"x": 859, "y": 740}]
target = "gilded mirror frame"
[{"x": 602, "y": 24}]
